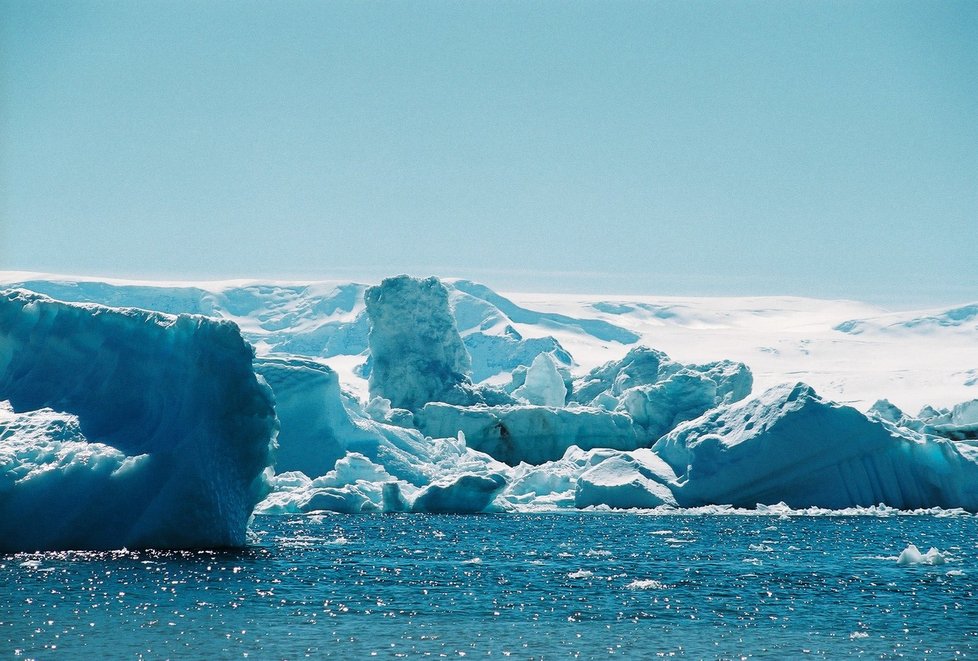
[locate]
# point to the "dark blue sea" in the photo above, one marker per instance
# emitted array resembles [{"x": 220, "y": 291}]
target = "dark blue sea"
[{"x": 575, "y": 585}]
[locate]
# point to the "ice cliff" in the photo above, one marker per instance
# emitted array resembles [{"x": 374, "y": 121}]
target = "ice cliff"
[
  {"x": 127, "y": 428},
  {"x": 416, "y": 351}
]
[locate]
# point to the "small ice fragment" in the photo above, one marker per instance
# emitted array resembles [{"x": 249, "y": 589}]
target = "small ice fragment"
[
  {"x": 912, "y": 556},
  {"x": 645, "y": 584}
]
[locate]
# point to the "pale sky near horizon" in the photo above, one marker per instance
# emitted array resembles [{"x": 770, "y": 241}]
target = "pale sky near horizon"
[{"x": 824, "y": 149}]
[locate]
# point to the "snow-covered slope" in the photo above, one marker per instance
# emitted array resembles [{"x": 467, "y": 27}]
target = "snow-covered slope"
[{"x": 850, "y": 352}]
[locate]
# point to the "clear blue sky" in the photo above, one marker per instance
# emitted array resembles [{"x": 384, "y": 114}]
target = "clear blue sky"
[{"x": 816, "y": 148}]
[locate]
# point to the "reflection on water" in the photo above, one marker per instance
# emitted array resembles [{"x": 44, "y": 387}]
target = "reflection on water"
[{"x": 520, "y": 585}]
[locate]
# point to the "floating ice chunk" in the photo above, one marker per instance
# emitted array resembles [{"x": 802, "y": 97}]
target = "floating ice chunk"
[
  {"x": 463, "y": 494},
  {"x": 912, "y": 556},
  {"x": 627, "y": 480},
  {"x": 645, "y": 584},
  {"x": 164, "y": 430},
  {"x": 544, "y": 386},
  {"x": 346, "y": 500}
]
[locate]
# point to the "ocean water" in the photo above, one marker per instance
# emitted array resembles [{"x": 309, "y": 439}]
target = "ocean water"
[{"x": 524, "y": 586}]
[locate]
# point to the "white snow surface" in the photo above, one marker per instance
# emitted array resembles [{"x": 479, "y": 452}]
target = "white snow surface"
[
  {"x": 580, "y": 387},
  {"x": 900, "y": 355}
]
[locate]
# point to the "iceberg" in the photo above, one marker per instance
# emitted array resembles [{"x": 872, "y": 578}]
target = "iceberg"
[
  {"x": 627, "y": 480},
  {"x": 912, "y": 556},
  {"x": 416, "y": 351},
  {"x": 127, "y": 428},
  {"x": 531, "y": 434},
  {"x": 428, "y": 395},
  {"x": 335, "y": 454},
  {"x": 468, "y": 493},
  {"x": 789, "y": 445},
  {"x": 959, "y": 423},
  {"x": 542, "y": 385},
  {"x": 643, "y": 367}
]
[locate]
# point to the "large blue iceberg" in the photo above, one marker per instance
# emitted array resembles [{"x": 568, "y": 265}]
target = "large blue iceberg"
[{"x": 127, "y": 428}]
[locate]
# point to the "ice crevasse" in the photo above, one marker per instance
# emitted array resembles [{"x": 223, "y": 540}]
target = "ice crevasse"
[{"x": 127, "y": 428}]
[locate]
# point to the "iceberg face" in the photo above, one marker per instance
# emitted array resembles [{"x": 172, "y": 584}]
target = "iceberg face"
[
  {"x": 464, "y": 494},
  {"x": 543, "y": 384},
  {"x": 314, "y": 427},
  {"x": 531, "y": 434},
  {"x": 791, "y": 446},
  {"x": 660, "y": 407},
  {"x": 163, "y": 430},
  {"x": 416, "y": 351}
]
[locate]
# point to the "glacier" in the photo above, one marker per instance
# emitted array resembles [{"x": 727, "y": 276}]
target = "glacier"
[
  {"x": 440, "y": 395},
  {"x": 127, "y": 428}
]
